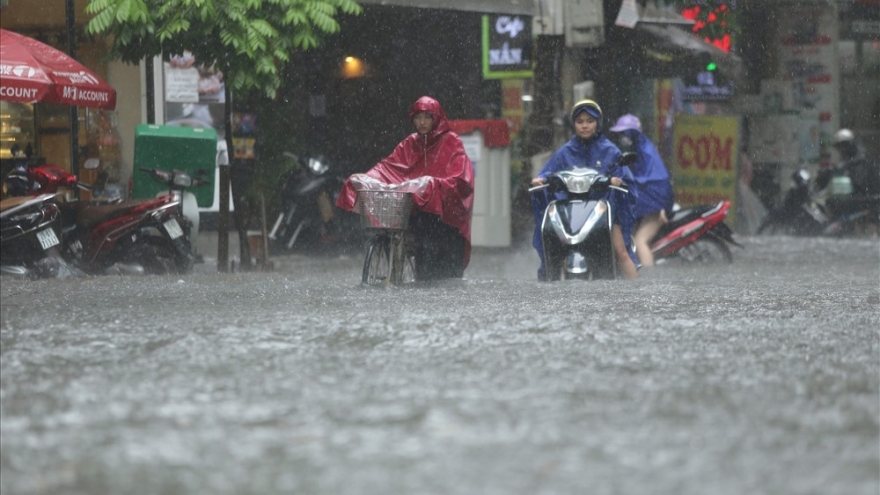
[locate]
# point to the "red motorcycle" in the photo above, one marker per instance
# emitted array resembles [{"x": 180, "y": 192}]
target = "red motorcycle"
[
  {"x": 696, "y": 234},
  {"x": 114, "y": 236}
]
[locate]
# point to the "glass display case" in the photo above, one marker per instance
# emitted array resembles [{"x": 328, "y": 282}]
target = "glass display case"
[{"x": 17, "y": 130}]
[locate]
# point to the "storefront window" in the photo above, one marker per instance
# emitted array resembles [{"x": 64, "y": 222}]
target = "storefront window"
[{"x": 17, "y": 134}]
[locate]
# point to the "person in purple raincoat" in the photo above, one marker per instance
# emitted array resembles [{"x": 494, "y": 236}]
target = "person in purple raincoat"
[{"x": 655, "y": 196}]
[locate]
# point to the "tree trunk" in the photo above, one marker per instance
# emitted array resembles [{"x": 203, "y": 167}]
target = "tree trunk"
[{"x": 238, "y": 201}]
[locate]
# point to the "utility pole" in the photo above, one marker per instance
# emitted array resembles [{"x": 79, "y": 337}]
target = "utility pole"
[
  {"x": 223, "y": 163},
  {"x": 74, "y": 113}
]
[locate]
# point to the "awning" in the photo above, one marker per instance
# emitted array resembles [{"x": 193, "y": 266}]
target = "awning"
[
  {"x": 514, "y": 7},
  {"x": 496, "y": 132},
  {"x": 631, "y": 13},
  {"x": 674, "y": 40}
]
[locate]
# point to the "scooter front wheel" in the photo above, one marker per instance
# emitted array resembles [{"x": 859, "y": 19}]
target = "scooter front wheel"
[
  {"x": 388, "y": 261},
  {"x": 377, "y": 263}
]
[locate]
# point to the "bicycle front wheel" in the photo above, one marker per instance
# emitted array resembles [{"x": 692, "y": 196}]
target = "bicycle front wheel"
[
  {"x": 403, "y": 260},
  {"x": 377, "y": 264}
]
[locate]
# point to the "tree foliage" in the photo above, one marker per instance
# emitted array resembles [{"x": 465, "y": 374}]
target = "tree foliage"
[{"x": 249, "y": 40}]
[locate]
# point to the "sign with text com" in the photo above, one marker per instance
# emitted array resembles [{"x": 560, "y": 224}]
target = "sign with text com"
[
  {"x": 507, "y": 46},
  {"x": 704, "y": 168}
]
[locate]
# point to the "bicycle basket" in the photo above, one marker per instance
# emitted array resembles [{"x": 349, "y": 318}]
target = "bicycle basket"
[{"x": 384, "y": 209}]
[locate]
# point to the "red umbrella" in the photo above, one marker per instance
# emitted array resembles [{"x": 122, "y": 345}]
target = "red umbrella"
[{"x": 31, "y": 72}]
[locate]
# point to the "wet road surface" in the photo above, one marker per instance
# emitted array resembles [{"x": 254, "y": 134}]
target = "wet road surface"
[{"x": 761, "y": 377}]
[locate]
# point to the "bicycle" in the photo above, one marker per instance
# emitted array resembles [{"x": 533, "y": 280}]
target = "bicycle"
[{"x": 390, "y": 258}]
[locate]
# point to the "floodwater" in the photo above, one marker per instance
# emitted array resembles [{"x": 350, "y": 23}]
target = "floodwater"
[{"x": 761, "y": 377}]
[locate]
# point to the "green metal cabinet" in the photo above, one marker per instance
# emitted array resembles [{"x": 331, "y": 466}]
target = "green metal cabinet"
[{"x": 174, "y": 148}]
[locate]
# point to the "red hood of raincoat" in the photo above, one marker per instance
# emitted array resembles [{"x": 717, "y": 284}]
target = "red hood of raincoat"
[{"x": 440, "y": 155}]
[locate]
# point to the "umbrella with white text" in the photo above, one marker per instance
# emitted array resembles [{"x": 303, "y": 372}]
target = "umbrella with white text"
[{"x": 31, "y": 72}]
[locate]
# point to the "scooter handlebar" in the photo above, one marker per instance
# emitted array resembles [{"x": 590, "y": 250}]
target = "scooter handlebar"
[
  {"x": 546, "y": 185},
  {"x": 538, "y": 188}
]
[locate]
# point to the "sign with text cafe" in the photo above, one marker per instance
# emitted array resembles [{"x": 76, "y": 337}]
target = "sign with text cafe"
[{"x": 507, "y": 46}]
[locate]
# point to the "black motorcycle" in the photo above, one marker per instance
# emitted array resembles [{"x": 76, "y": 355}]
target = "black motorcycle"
[
  {"x": 853, "y": 215},
  {"x": 799, "y": 214},
  {"x": 309, "y": 215},
  {"x": 576, "y": 231},
  {"x": 30, "y": 237},
  {"x": 802, "y": 213}
]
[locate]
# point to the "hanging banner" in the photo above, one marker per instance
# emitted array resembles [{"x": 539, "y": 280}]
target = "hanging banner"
[
  {"x": 507, "y": 46},
  {"x": 584, "y": 23},
  {"x": 194, "y": 94},
  {"x": 705, "y": 159},
  {"x": 807, "y": 38}
]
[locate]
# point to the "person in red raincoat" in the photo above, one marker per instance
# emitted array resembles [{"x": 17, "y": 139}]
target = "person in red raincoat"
[{"x": 444, "y": 204}]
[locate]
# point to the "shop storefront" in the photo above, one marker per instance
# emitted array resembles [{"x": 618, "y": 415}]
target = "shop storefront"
[{"x": 43, "y": 132}]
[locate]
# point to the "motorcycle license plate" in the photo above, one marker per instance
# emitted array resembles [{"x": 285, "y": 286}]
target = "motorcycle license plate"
[
  {"x": 173, "y": 228},
  {"x": 47, "y": 238}
]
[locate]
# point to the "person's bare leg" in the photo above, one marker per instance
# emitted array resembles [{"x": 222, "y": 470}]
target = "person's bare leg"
[
  {"x": 646, "y": 229},
  {"x": 627, "y": 267}
]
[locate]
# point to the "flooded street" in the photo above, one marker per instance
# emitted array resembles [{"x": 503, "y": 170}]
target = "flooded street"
[{"x": 760, "y": 377}]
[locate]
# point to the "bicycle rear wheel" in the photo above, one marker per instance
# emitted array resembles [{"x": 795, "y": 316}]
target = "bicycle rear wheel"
[{"x": 377, "y": 263}]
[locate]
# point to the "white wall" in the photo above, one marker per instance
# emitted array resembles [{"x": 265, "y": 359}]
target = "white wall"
[{"x": 126, "y": 79}]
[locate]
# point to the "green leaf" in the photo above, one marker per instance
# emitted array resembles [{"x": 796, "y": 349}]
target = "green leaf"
[
  {"x": 295, "y": 17},
  {"x": 123, "y": 11},
  {"x": 252, "y": 40}
]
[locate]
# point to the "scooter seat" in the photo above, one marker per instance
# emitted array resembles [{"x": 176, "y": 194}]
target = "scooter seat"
[
  {"x": 10, "y": 205},
  {"x": 13, "y": 202},
  {"x": 89, "y": 216},
  {"x": 682, "y": 215}
]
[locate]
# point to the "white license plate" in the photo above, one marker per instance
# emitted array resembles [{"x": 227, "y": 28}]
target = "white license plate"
[
  {"x": 47, "y": 238},
  {"x": 173, "y": 228}
]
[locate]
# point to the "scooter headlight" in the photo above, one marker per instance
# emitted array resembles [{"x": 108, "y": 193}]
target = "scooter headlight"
[
  {"x": 317, "y": 166},
  {"x": 182, "y": 180},
  {"x": 578, "y": 184}
]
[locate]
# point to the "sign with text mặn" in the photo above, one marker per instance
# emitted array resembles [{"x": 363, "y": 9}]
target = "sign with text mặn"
[
  {"x": 705, "y": 152},
  {"x": 507, "y": 46}
]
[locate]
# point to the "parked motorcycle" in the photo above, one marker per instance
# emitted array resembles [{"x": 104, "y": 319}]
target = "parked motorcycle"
[
  {"x": 576, "y": 231},
  {"x": 853, "y": 216},
  {"x": 308, "y": 213},
  {"x": 134, "y": 236},
  {"x": 30, "y": 231},
  {"x": 799, "y": 214},
  {"x": 696, "y": 234},
  {"x": 178, "y": 182},
  {"x": 832, "y": 211},
  {"x": 113, "y": 236}
]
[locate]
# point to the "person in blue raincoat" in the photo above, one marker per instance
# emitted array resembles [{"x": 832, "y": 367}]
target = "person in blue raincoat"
[
  {"x": 590, "y": 148},
  {"x": 655, "y": 195}
]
